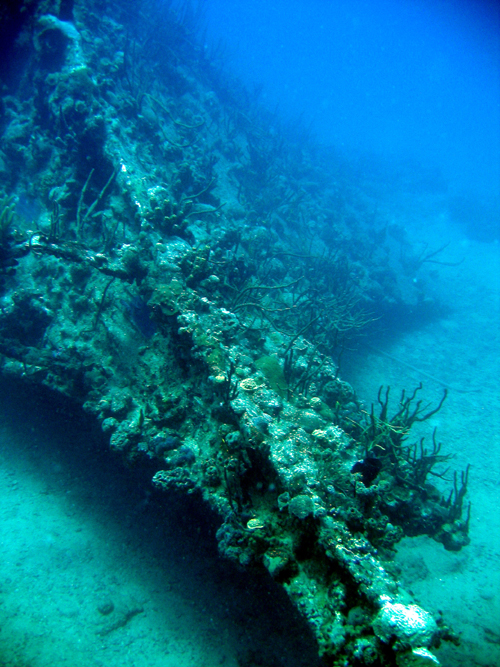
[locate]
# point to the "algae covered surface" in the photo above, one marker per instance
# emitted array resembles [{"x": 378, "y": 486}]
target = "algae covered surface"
[{"x": 192, "y": 275}]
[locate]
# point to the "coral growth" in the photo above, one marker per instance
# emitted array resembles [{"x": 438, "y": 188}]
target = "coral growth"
[{"x": 192, "y": 281}]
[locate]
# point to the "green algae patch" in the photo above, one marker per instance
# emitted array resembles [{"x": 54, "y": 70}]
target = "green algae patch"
[{"x": 272, "y": 370}]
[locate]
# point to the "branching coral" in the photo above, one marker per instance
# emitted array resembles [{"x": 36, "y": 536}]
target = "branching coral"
[
  {"x": 399, "y": 472},
  {"x": 384, "y": 438}
]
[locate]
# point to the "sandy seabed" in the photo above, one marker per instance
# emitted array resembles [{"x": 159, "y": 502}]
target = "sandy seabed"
[
  {"x": 463, "y": 352},
  {"x": 95, "y": 570}
]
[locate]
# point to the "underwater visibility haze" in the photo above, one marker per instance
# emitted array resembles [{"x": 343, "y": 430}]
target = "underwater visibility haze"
[
  {"x": 410, "y": 81},
  {"x": 249, "y": 333}
]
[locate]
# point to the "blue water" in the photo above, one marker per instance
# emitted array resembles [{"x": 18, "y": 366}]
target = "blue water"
[
  {"x": 411, "y": 79},
  {"x": 407, "y": 96}
]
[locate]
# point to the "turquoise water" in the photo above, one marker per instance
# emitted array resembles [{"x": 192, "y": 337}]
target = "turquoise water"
[
  {"x": 80, "y": 533},
  {"x": 460, "y": 351},
  {"x": 96, "y": 569},
  {"x": 154, "y": 196}
]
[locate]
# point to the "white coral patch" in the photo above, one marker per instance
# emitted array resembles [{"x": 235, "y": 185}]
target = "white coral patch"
[{"x": 408, "y": 623}]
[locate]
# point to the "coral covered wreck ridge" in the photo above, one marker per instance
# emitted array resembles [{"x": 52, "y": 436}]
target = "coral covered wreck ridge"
[{"x": 191, "y": 280}]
